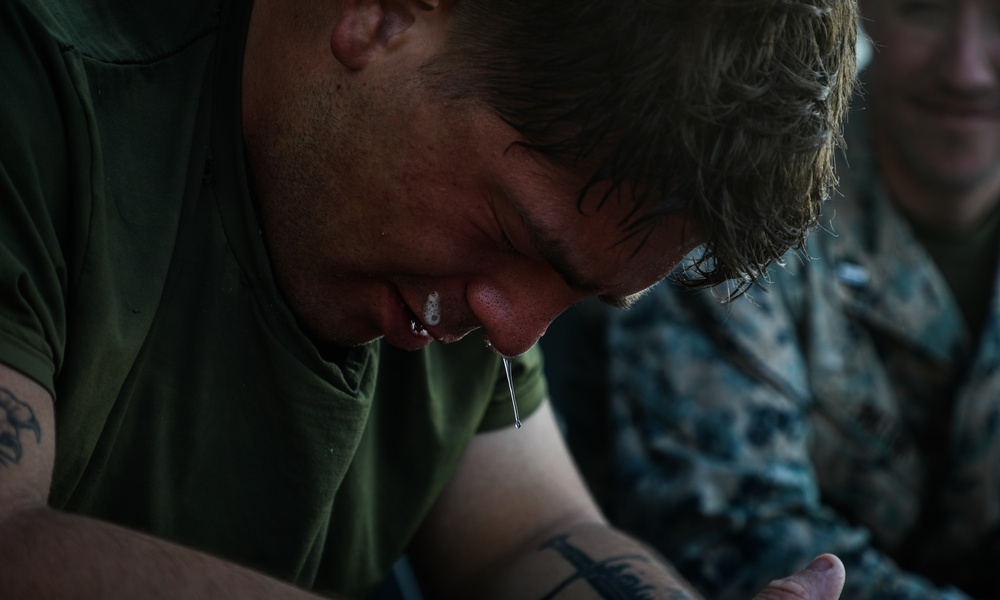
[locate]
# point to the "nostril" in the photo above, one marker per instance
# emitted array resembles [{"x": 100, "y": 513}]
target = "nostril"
[
  {"x": 489, "y": 345},
  {"x": 502, "y": 352}
]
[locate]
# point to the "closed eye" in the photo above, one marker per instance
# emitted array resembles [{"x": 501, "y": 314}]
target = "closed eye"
[{"x": 507, "y": 244}]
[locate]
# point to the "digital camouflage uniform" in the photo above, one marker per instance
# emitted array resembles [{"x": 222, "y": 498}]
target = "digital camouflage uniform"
[{"x": 847, "y": 410}]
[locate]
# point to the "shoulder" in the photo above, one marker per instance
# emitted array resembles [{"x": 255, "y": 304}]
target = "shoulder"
[{"x": 124, "y": 32}]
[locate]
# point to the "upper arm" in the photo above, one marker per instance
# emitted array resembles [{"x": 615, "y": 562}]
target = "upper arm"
[
  {"x": 35, "y": 187},
  {"x": 512, "y": 487},
  {"x": 27, "y": 442}
]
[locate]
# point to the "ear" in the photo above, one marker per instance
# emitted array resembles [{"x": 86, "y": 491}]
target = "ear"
[{"x": 365, "y": 28}]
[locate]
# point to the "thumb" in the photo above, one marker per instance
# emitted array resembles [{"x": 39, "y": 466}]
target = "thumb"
[{"x": 823, "y": 579}]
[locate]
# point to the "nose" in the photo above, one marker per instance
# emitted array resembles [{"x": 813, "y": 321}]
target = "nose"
[
  {"x": 516, "y": 313},
  {"x": 968, "y": 63}
]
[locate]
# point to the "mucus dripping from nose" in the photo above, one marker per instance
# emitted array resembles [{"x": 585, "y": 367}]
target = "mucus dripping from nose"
[{"x": 510, "y": 384}]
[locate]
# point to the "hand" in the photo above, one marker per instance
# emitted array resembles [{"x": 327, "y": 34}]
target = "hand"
[{"x": 823, "y": 579}]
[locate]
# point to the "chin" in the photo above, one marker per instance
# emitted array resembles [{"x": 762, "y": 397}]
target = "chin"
[
  {"x": 347, "y": 341},
  {"x": 329, "y": 331}
]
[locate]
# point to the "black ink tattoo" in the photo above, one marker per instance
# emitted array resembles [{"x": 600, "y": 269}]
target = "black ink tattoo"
[
  {"x": 610, "y": 578},
  {"x": 14, "y": 417}
]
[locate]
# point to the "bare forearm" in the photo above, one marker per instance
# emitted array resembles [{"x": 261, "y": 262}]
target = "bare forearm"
[
  {"x": 587, "y": 561},
  {"x": 47, "y": 554}
]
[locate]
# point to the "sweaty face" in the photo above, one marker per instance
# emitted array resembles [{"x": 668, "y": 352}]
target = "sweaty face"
[
  {"x": 388, "y": 212},
  {"x": 935, "y": 89}
]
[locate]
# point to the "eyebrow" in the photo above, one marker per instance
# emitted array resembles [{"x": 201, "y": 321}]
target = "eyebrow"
[{"x": 554, "y": 253}]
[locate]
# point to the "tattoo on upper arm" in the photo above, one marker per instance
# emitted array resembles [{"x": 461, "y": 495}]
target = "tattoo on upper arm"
[
  {"x": 15, "y": 416},
  {"x": 615, "y": 578}
]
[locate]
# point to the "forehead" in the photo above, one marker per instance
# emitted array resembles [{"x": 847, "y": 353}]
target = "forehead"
[
  {"x": 917, "y": 8},
  {"x": 927, "y": 32}
]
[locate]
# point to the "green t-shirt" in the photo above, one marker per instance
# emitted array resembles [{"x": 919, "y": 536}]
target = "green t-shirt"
[{"x": 135, "y": 286}]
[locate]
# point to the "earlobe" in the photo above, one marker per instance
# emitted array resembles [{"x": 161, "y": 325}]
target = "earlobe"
[{"x": 366, "y": 27}]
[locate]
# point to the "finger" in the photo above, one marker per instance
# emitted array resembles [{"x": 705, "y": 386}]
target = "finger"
[{"x": 823, "y": 579}]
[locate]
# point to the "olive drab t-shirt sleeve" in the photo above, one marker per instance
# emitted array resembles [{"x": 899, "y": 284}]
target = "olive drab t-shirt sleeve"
[{"x": 36, "y": 179}]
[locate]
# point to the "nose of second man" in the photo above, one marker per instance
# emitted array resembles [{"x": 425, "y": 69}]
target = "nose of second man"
[{"x": 970, "y": 60}]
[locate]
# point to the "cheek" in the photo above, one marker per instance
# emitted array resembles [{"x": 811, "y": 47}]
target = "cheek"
[
  {"x": 448, "y": 244},
  {"x": 904, "y": 59}
]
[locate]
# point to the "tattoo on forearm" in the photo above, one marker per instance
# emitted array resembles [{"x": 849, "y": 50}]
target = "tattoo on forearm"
[
  {"x": 615, "y": 578},
  {"x": 15, "y": 416}
]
